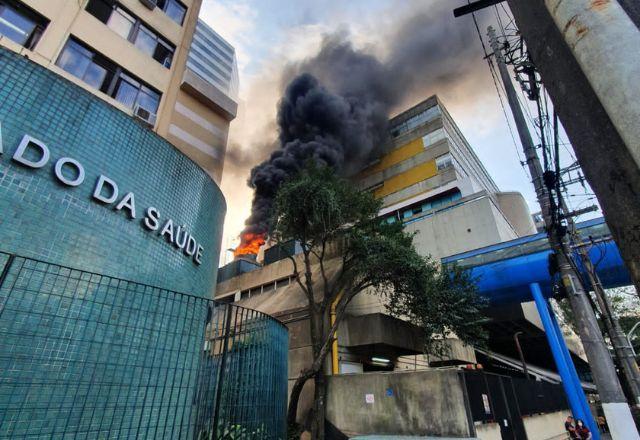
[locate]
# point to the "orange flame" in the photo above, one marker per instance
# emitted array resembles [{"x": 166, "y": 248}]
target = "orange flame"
[{"x": 249, "y": 244}]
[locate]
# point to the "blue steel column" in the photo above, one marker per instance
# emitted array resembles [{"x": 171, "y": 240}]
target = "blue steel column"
[
  {"x": 588, "y": 417},
  {"x": 553, "y": 338}
]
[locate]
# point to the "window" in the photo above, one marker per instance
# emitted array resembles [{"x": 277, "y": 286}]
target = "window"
[
  {"x": 132, "y": 93},
  {"x": 154, "y": 46},
  {"x": 429, "y": 204},
  {"x": 174, "y": 10},
  {"x": 86, "y": 65},
  {"x": 146, "y": 41},
  {"x": 129, "y": 27},
  {"x": 433, "y": 137},
  {"x": 121, "y": 22},
  {"x": 20, "y": 24},
  {"x": 104, "y": 75},
  {"x": 444, "y": 161},
  {"x": 415, "y": 121}
]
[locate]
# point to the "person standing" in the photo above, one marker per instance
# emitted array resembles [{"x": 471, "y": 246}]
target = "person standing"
[
  {"x": 583, "y": 432},
  {"x": 571, "y": 428}
]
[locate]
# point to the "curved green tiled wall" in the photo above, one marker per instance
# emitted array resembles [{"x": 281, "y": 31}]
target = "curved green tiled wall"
[{"x": 44, "y": 219}]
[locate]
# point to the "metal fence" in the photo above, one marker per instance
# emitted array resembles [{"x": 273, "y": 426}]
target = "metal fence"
[{"x": 88, "y": 356}]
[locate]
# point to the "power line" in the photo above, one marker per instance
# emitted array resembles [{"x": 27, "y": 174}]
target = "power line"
[{"x": 495, "y": 83}]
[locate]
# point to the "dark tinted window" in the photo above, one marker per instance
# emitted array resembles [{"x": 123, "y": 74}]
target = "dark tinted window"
[
  {"x": 131, "y": 28},
  {"x": 174, "y": 9},
  {"x": 85, "y": 64},
  {"x": 104, "y": 75},
  {"x": 20, "y": 24},
  {"x": 101, "y": 9}
]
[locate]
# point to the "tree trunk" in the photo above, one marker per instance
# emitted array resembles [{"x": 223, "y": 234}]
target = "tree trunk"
[
  {"x": 317, "y": 332},
  {"x": 294, "y": 398},
  {"x": 319, "y": 406},
  {"x": 317, "y": 417}
]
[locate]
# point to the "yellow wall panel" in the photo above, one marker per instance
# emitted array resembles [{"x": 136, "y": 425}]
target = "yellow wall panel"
[
  {"x": 396, "y": 156},
  {"x": 412, "y": 176}
]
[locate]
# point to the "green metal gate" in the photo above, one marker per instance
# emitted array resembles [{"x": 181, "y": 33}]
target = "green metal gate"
[{"x": 83, "y": 355}]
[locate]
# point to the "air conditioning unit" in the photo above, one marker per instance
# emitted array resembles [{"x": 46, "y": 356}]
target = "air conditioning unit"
[
  {"x": 145, "y": 115},
  {"x": 151, "y": 4}
]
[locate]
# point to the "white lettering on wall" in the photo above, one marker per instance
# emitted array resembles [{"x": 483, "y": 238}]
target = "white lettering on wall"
[
  {"x": 128, "y": 202},
  {"x": 97, "y": 192},
  {"x": 26, "y": 142},
  {"x": 151, "y": 219},
  {"x": 75, "y": 164},
  {"x": 33, "y": 153}
]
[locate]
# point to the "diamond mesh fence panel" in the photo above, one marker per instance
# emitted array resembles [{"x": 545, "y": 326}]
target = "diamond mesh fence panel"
[{"x": 87, "y": 356}]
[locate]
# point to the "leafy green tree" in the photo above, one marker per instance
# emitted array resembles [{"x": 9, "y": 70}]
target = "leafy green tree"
[{"x": 346, "y": 250}]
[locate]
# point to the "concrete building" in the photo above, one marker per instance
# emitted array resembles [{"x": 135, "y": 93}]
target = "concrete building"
[
  {"x": 132, "y": 54},
  {"x": 428, "y": 178}
]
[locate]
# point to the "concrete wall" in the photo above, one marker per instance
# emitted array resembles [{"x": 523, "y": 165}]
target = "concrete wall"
[
  {"x": 470, "y": 225},
  {"x": 538, "y": 427},
  {"x": 416, "y": 403},
  {"x": 515, "y": 208},
  {"x": 546, "y": 426},
  {"x": 199, "y": 132},
  {"x": 488, "y": 431}
]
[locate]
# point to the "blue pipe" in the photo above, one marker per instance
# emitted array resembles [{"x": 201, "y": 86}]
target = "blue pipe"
[
  {"x": 588, "y": 420},
  {"x": 567, "y": 380}
]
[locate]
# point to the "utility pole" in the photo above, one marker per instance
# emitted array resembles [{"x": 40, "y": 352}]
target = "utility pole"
[
  {"x": 613, "y": 400},
  {"x": 621, "y": 346},
  {"x": 604, "y": 40},
  {"x": 606, "y": 159}
]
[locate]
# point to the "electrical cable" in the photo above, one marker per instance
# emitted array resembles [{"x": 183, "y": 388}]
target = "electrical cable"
[{"x": 495, "y": 83}]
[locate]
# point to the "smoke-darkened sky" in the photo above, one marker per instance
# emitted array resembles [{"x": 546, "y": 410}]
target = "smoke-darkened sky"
[{"x": 432, "y": 52}]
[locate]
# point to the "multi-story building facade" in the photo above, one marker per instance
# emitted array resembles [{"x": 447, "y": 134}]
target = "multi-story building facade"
[
  {"x": 207, "y": 100},
  {"x": 428, "y": 166},
  {"x": 132, "y": 54},
  {"x": 429, "y": 178},
  {"x": 110, "y": 219}
]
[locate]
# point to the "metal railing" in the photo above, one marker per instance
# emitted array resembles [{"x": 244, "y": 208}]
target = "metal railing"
[{"x": 84, "y": 355}]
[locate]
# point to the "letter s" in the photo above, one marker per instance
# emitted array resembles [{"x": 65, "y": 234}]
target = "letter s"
[{"x": 151, "y": 219}]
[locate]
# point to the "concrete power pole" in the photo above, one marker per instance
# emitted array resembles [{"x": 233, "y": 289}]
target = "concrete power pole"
[
  {"x": 603, "y": 370},
  {"x": 581, "y": 78},
  {"x": 605, "y": 41},
  {"x": 621, "y": 345}
]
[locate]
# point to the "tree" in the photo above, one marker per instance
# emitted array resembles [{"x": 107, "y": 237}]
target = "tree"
[
  {"x": 625, "y": 305},
  {"x": 322, "y": 213}
]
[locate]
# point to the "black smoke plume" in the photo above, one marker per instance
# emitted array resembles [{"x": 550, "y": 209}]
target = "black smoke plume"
[{"x": 336, "y": 105}]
